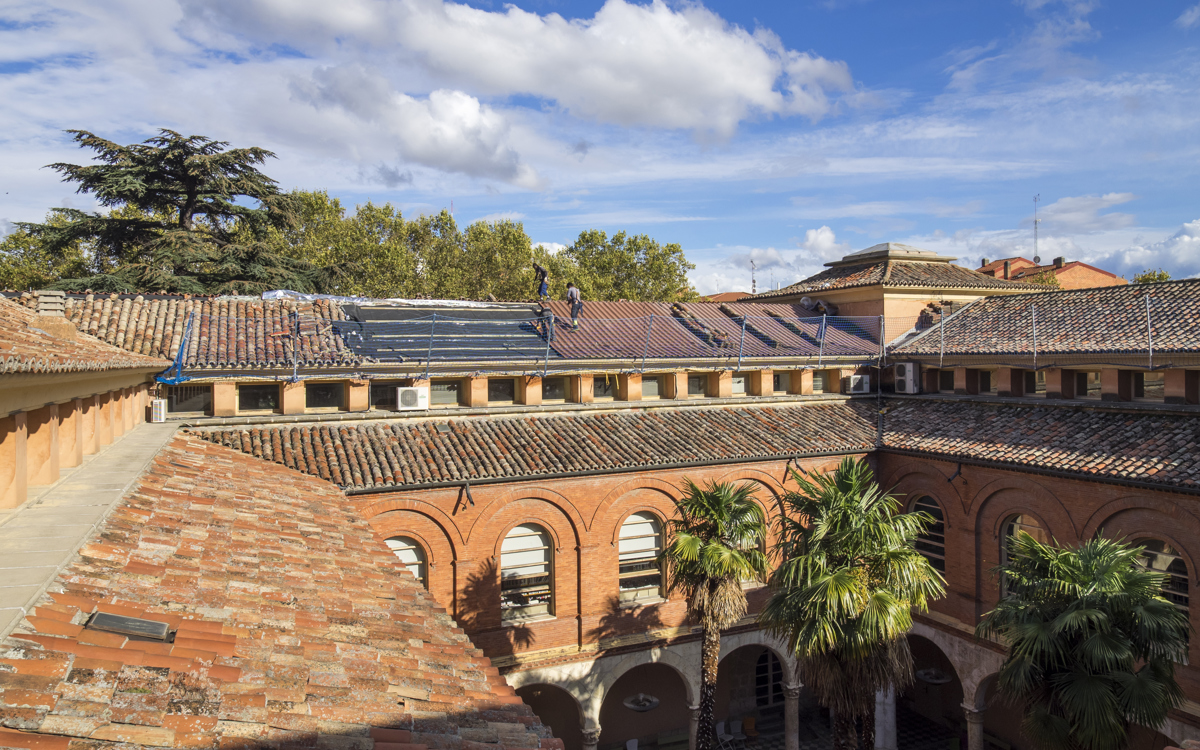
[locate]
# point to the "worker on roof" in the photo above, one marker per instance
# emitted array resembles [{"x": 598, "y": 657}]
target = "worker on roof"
[
  {"x": 543, "y": 276},
  {"x": 576, "y": 303}
]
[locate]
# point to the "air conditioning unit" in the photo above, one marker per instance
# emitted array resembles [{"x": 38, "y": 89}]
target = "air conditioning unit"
[
  {"x": 908, "y": 377},
  {"x": 860, "y": 383},
  {"x": 412, "y": 398}
]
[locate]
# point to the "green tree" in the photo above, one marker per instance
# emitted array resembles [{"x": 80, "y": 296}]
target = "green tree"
[
  {"x": 25, "y": 262},
  {"x": 1092, "y": 643},
  {"x": 842, "y": 597},
  {"x": 635, "y": 268},
  {"x": 178, "y": 219},
  {"x": 714, "y": 547},
  {"x": 1151, "y": 276},
  {"x": 1045, "y": 278}
]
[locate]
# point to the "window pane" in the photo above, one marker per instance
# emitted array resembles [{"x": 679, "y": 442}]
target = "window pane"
[
  {"x": 258, "y": 397},
  {"x": 739, "y": 383},
  {"x": 932, "y": 544},
  {"x": 323, "y": 395},
  {"x": 987, "y": 384},
  {"x": 525, "y": 585},
  {"x": 604, "y": 386},
  {"x": 697, "y": 385},
  {"x": 501, "y": 390},
  {"x": 189, "y": 398},
  {"x": 444, "y": 391},
  {"x": 640, "y": 576},
  {"x": 819, "y": 381},
  {"x": 411, "y": 555},
  {"x": 554, "y": 389},
  {"x": 946, "y": 380},
  {"x": 651, "y": 386},
  {"x": 1162, "y": 558},
  {"x": 1029, "y": 525},
  {"x": 383, "y": 395},
  {"x": 782, "y": 382}
]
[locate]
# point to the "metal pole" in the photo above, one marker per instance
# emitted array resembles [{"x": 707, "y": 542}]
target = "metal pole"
[
  {"x": 295, "y": 345},
  {"x": 882, "y": 346},
  {"x": 741, "y": 344},
  {"x": 429, "y": 354},
  {"x": 646, "y": 348},
  {"x": 549, "y": 335},
  {"x": 1149, "y": 332},
  {"x": 942, "y": 335},
  {"x": 821, "y": 351},
  {"x": 1033, "y": 312}
]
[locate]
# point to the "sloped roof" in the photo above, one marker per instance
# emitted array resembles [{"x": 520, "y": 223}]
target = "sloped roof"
[
  {"x": 25, "y": 348},
  {"x": 1155, "y": 448},
  {"x": 1031, "y": 271},
  {"x": 895, "y": 273},
  {"x": 1109, "y": 319},
  {"x": 295, "y": 627},
  {"x": 408, "y": 453}
]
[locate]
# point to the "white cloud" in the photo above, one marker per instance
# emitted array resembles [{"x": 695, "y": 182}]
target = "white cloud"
[
  {"x": 1190, "y": 18},
  {"x": 554, "y": 248},
  {"x": 1178, "y": 254},
  {"x": 1081, "y": 214},
  {"x": 763, "y": 259},
  {"x": 502, "y": 216},
  {"x": 823, "y": 245},
  {"x": 630, "y": 64}
]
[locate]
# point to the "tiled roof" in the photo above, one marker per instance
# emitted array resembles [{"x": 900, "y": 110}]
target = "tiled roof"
[
  {"x": 894, "y": 273},
  {"x": 228, "y": 332},
  {"x": 1102, "y": 320},
  {"x": 1161, "y": 449},
  {"x": 407, "y": 453},
  {"x": 294, "y": 628},
  {"x": 25, "y": 348}
]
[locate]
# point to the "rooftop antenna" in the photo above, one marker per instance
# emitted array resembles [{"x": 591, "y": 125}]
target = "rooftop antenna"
[
  {"x": 753, "y": 282},
  {"x": 1036, "y": 258}
]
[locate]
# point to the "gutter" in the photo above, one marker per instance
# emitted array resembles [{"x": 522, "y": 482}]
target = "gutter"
[{"x": 592, "y": 473}]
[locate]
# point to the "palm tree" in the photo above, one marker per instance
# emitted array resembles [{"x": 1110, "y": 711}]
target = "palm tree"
[
  {"x": 1092, "y": 643},
  {"x": 848, "y": 580},
  {"x": 714, "y": 547}
]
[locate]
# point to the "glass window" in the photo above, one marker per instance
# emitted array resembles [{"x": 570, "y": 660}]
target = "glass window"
[
  {"x": 604, "y": 387},
  {"x": 637, "y": 557},
  {"x": 739, "y": 384},
  {"x": 189, "y": 398},
  {"x": 768, "y": 680},
  {"x": 411, "y": 556},
  {"x": 781, "y": 382},
  {"x": 383, "y": 393},
  {"x": 819, "y": 381},
  {"x": 526, "y": 588},
  {"x": 1025, "y": 523},
  {"x": 946, "y": 381},
  {"x": 932, "y": 544},
  {"x": 502, "y": 390},
  {"x": 554, "y": 389},
  {"x": 697, "y": 385},
  {"x": 1162, "y": 558},
  {"x": 323, "y": 395},
  {"x": 652, "y": 386},
  {"x": 444, "y": 392},
  {"x": 258, "y": 396}
]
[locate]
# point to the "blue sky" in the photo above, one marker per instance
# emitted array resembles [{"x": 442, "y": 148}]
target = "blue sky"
[{"x": 788, "y": 133}]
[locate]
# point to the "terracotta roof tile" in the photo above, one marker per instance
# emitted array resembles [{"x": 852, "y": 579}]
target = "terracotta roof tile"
[
  {"x": 1108, "y": 319},
  {"x": 26, "y": 348},
  {"x": 1161, "y": 449},
  {"x": 384, "y": 454},
  {"x": 894, "y": 273},
  {"x": 295, "y": 627}
]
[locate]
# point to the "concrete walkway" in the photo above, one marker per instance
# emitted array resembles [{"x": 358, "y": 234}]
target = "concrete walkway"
[{"x": 40, "y": 537}]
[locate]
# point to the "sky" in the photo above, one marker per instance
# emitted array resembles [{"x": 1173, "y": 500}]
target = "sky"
[{"x": 783, "y": 133}]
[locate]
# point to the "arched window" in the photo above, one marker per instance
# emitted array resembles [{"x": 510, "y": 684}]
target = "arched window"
[
  {"x": 932, "y": 543},
  {"x": 1162, "y": 558},
  {"x": 768, "y": 680},
  {"x": 637, "y": 558},
  {"x": 411, "y": 556},
  {"x": 1017, "y": 524},
  {"x": 526, "y": 584}
]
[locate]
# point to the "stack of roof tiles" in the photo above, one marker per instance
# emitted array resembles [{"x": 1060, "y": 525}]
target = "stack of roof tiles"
[
  {"x": 1111, "y": 319},
  {"x": 226, "y": 332},
  {"x": 407, "y": 453},
  {"x": 25, "y": 348},
  {"x": 294, "y": 627},
  {"x": 895, "y": 273},
  {"x": 1152, "y": 448}
]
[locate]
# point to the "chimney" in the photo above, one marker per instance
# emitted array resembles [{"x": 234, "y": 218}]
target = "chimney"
[
  {"x": 50, "y": 318},
  {"x": 1059, "y": 261},
  {"x": 983, "y": 262},
  {"x": 1007, "y": 268}
]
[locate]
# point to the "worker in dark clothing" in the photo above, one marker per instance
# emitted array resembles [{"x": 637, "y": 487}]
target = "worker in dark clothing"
[
  {"x": 543, "y": 277},
  {"x": 576, "y": 304}
]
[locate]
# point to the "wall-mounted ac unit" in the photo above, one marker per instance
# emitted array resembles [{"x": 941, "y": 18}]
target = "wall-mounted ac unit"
[
  {"x": 860, "y": 383},
  {"x": 908, "y": 377},
  {"x": 412, "y": 398}
]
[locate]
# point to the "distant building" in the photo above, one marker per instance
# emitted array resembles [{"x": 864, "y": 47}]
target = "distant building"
[
  {"x": 1071, "y": 275},
  {"x": 725, "y": 297}
]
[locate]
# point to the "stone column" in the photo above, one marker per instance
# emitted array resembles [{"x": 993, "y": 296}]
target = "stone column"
[
  {"x": 693, "y": 726},
  {"x": 42, "y": 445},
  {"x": 358, "y": 395},
  {"x": 90, "y": 416},
  {"x": 885, "y": 719},
  {"x": 529, "y": 390},
  {"x": 70, "y": 433},
  {"x": 762, "y": 383},
  {"x": 474, "y": 392},
  {"x": 801, "y": 383},
  {"x": 974, "y": 727},
  {"x": 14, "y": 460},
  {"x": 591, "y": 738},
  {"x": 224, "y": 398},
  {"x": 294, "y": 397},
  {"x": 1116, "y": 385},
  {"x": 966, "y": 381},
  {"x": 629, "y": 387},
  {"x": 791, "y": 717},
  {"x": 720, "y": 384}
]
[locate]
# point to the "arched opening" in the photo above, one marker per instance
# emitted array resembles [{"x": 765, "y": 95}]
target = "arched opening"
[
  {"x": 1015, "y": 525},
  {"x": 648, "y": 703},
  {"x": 932, "y": 543},
  {"x": 1161, "y": 557},
  {"x": 638, "y": 548},
  {"x": 750, "y": 689},
  {"x": 558, "y": 710},
  {"x": 929, "y": 712},
  {"x": 526, "y": 575},
  {"x": 411, "y": 555}
]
